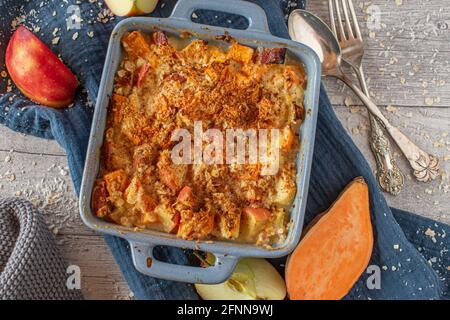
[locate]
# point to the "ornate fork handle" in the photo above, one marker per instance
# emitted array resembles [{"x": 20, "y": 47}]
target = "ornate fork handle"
[
  {"x": 425, "y": 166},
  {"x": 389, "y": 176}
]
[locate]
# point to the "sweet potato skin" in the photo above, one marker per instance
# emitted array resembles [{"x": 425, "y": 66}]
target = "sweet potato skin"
[{"x": 335, "y": 250}]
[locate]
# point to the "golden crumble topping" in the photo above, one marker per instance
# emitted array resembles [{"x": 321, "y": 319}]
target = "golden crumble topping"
[{"x": 161, "y": 87}]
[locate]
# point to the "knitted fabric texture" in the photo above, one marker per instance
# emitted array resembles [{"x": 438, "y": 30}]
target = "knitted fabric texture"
[{"x": 31, "y": 266}]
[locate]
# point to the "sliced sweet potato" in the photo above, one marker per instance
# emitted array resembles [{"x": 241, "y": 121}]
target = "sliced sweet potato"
[
  {"x": 240, "y": 53},
  {"x": 335, "y": 251},
  {"x": 135, "y": 44},
  {"x": 116, "y": 181}
]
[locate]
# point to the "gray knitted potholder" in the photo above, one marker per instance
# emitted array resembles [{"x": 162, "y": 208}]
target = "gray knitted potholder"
[{"x": 31, "y": 266}]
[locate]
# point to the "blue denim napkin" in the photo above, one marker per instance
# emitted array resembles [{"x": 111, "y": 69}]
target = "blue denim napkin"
[{"x": 406, "y": 273}]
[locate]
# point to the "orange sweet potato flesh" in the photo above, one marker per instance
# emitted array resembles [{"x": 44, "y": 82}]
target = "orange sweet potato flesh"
[{"x": 335, "y": 250}]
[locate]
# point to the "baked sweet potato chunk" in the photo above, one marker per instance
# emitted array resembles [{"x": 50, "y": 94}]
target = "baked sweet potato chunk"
[{"x": 135, "y": 44}]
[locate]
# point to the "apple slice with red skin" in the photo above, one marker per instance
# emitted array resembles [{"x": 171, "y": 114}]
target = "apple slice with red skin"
[
  {"x": 38, "y": 72},
  {"x": 131, "y": 7}
]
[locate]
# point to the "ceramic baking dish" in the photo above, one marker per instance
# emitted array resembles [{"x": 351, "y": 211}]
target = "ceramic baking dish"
[{"x": 227, "y": 253}]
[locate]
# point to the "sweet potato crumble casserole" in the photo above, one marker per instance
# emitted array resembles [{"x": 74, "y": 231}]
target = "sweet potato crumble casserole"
[{"x": 165, "y": 84}]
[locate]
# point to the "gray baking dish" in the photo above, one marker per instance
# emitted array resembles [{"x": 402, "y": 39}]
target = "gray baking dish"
[{"x": 227, "y": 253}]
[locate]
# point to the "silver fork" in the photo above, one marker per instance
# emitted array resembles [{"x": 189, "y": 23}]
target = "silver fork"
[{"x": 389, "y": 176}]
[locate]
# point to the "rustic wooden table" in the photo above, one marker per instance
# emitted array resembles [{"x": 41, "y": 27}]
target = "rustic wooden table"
[{"x": 407, "y": 61}]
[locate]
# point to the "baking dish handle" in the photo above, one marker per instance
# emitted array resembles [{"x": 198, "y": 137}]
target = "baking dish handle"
[
  {"x": 256, "y": 16},
  {"x": 146, "y": 263}
]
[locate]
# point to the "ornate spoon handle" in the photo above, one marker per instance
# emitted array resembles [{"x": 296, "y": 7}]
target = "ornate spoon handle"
[
  {"x": 389, "y": 176},
  {"x": 425, "y": 167}
]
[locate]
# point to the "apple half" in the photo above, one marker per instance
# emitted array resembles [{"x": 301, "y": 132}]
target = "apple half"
[
  {"x": 253, "y": 279},
  {"x": 38, "y": 72},
  {"x": 131, "y": 7}
]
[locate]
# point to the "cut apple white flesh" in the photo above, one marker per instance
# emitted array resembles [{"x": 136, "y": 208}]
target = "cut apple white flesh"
[
  {"x": 131, "y": 7},
  {"x": 253, "y": 279}
]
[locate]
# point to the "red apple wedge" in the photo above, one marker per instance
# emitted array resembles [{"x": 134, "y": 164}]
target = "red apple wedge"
[
  {"x": 131, "y": 7},
  {"x": 38, "y": 72}
]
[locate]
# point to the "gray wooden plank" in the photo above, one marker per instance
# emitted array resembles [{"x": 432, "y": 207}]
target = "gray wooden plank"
[
  {"x": 100, "y": 275},
  {"x": 407, "y": 59},
  {"x": 28, "y": 144}
]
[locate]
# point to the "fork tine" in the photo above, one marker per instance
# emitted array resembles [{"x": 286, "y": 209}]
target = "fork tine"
[
  {"x": 347, "y": 19},
  {"x": 332, "y": 19},
  {"x": 339, "y": 20},
  {"x": 355, "y": 20}
]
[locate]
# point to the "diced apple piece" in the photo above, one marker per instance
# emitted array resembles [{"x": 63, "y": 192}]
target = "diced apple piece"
[
  {"x": 285, "y": 190},
  {"x": 160, "y": 38},
  {"x": 272, "y": 55},
  {"x": 168, "y": 178},
  {"x": 168, "y": 218},
  {"x": 131, "y": 7},
  {"x": 253, "y": 222},
  {"x": 185, "y": 195},
  {"x": 229, "y": 225},
  {"x": 132, "y": 191},
  {"x": 276, "y": 230},
  {"x": 253, "y": 279},
  {"x": 136, "y": 194},
  {"x": 142, "y": 74},
  {"x": 38, "y": 72},
  {"x": 287, "y": 138}
]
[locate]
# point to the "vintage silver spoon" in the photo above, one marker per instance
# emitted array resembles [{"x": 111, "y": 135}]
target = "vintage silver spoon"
[{"x": 316, "y": 34}]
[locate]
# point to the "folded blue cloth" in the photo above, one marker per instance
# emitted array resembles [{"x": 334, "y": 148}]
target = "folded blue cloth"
[{"x": 406, "y": 273}]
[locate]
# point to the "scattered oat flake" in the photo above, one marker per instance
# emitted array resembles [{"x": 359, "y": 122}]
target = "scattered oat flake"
[
  {"x": 391, "y": 109},
  {"x": 348, "y": 101},
  {"x": 429, "y": 101},
  {"x": 396, "y": 246},
  {"x": 75, "y": 36},
  {"x": 56, "y": 40},
  {"x": 430, "y": 233}
]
